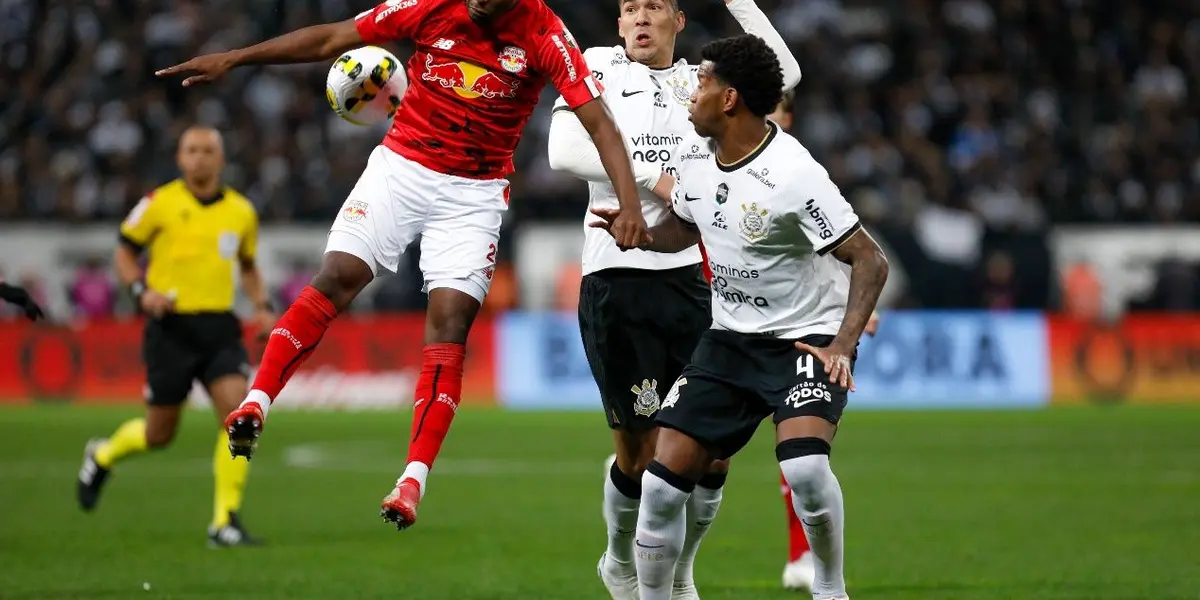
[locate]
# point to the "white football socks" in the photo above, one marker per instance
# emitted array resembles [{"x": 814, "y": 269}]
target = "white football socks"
[
  {"x": 417, "y": 471},
  {"x": 702, "y": 508},
  {"x": 661, "y": 529},
  {"x": 622, "y": 496},
  {"x": 260, "y": 398},
  {"x": 817, "y": 499}
]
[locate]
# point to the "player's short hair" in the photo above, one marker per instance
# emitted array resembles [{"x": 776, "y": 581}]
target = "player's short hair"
[{"x": 747, "y": 64}]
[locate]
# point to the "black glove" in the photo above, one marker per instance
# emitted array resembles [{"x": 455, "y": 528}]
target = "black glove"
[{"x": 18, "y": 296}]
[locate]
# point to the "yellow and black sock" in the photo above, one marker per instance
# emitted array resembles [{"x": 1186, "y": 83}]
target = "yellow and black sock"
[
  {"x": 230, "y": 476},
  {"x": 129, "y": 438}
]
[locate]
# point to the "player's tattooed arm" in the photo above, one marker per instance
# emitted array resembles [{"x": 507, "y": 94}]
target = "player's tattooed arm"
[{"x": 868, "y": 273}]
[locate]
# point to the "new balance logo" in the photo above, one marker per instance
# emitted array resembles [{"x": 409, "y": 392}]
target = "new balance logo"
[
  {"x": 284, "y": 333},
  {"x": 443, "y": 44},
  {"x": 446, "y": 399}
]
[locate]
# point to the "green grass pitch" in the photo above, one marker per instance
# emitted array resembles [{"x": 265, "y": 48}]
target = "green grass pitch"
[{"x": 1079, "y": 504}]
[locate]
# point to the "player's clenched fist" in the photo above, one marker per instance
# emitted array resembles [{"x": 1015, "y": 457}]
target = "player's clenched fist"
[
  {"x": 207, "y": 68},
  {"x": 628, "y": 229}
]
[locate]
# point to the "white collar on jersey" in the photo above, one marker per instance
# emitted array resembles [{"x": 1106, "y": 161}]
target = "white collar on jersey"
[{"x": 664, "y": 70}]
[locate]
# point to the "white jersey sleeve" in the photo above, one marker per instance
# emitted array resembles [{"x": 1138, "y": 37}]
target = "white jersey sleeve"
[
  {"x": 826, "y": 217},
  {"x": 679, "y": 201},
  {"x": 754, "y": 21}
]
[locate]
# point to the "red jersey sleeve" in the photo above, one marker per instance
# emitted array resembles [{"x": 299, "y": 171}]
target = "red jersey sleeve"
[
  {"x": 390, "y": 21},
  {"x": 558, "y": 56}
]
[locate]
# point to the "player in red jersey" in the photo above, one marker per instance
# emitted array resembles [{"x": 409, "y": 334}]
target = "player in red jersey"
[{"x": 476, "y": 75}]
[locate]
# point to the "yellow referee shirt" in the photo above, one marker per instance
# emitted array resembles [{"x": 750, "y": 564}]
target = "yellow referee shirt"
[{"x": 194, "y": 246}]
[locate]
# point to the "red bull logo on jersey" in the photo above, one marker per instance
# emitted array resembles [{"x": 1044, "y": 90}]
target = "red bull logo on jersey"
[
  {"x": 512, "y": 59},
  {"x": 354, "y": 210},
  {"x": 469, "y": 80}
]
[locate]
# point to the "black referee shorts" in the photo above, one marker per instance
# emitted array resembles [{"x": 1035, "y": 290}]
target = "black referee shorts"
[
  {"x": 181, "y": 348},
  {"x": 639, "y": 330}
]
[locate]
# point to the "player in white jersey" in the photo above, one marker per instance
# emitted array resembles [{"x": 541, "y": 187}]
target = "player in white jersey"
[
  {"x": 786, "y": 319},
  {"x": 632, "y": 344},
  {"x": 798, "y": 570}
]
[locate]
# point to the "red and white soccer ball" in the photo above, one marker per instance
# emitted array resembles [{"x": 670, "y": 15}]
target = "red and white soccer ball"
[{"x": 365, "y": 85}]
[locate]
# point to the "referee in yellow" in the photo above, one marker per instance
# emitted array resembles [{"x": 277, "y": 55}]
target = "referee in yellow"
[{"x": 196, "y": 232}]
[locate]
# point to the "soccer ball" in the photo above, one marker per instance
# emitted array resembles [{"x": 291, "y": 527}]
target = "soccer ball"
[{"x": 365, "y": 85}]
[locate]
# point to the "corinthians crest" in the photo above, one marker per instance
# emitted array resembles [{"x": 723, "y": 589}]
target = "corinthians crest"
[
  {"x": 647, "y": 398},
  {"x": 753, "y": 225},
  {"x": 681, "y": 89}
]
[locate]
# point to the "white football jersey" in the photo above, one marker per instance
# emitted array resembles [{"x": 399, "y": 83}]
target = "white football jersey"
[
  {"x": 768, "y": 224},
  {"x": 650, "y": 107}
]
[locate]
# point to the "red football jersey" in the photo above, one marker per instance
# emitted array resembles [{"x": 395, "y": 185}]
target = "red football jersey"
[{"x": 472, "y": 88}]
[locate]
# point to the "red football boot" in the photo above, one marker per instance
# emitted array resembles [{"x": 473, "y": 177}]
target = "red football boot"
[
  {"x": 400, "y": 506},
  {"x": 244, "y": 424}
]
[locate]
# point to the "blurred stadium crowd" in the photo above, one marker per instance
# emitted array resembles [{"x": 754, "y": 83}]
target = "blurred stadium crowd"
[{"x": 959, "y": 129}]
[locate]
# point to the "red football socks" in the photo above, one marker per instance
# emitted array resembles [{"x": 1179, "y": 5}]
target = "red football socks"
[
  {"x": 797, "y": 542},
  {"x": 436, "y": 402},
  {"x": 292, "y": 341}
]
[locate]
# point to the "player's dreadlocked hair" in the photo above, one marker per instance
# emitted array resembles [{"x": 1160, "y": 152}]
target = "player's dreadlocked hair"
[{"x": 747, "y": 64}]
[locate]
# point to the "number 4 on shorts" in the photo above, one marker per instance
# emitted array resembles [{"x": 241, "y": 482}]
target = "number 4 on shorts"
[{"x": 804, "y": 366}]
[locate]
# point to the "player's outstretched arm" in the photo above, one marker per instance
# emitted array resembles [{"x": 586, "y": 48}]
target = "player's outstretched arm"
[
  {"x": 868, "y": 273},
  {"x": 754, "y": 21},
  {"x": 671, "y": 234},
  {"x": 629, "y": 227},
  {"x": 310, "y": 44}
]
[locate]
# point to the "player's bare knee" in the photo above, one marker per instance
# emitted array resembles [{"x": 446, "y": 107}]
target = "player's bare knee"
[
  {"x": 805, "y": 466},
  {"x": 635, "y": 450},
  {"x": 341, "y": 277},
  {"x": 718, "y": 472},
  {"x": 682, "y": 454},
  {"x": 719, "y": 466},
  {"x": 158, "y": 438},
  {"x": 449, "y": 316}
]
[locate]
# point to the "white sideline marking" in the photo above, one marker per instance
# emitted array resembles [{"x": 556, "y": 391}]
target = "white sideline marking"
[{"x": 375, "y": 457}]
